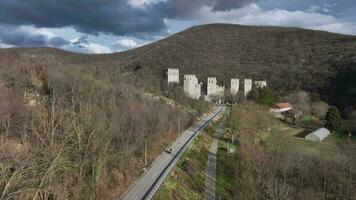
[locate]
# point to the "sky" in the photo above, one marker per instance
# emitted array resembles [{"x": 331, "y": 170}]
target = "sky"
[{"x": 106, "y": 26}]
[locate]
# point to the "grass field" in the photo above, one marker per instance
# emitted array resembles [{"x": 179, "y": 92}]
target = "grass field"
[{"x": 283, "y": 137}]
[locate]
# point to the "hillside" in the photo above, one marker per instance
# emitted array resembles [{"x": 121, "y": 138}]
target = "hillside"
[{"x": 288, "y": 58}]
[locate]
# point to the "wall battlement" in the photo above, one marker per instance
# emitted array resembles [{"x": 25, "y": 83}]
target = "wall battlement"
[
  {"x": 261, "y": 84},
  {"x": 173, "y": 75}
]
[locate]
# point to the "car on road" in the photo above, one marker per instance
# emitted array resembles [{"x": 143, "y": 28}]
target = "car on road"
[{"x": 168, "y": 150}]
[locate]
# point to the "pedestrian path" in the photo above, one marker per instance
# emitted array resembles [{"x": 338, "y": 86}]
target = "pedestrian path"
[{"x": 211, "y": 163}]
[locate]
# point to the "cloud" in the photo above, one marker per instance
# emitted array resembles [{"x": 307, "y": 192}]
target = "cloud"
[
  {"x": 19, "y": 36},
  {"x": 58, "y": 42},
  {"x": 82, "y": 40},
  {"x": 96, "y": 48},
  {"x": 86, "y": 46},
  {"x": 2, "y": 45},
  {"x": 255, "y": 15},
  {"x": 127, "y": 43},
  {"x": 226, "y": 5},
  {"x": 118, "y": 17},
  {"x": 143, "y": 3},
  {"x": 90, "y": 26},
  {"x": 87, "y": 16}
]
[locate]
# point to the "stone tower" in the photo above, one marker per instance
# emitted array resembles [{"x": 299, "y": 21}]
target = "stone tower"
[
  {"x": 191, "y": 86},
  {"x": 247, "y": 86},
  {"x": 211, "y": 86},
  {"x": 235, "y": 86},
  {"x": 173, "y": 75},
  {"x": 260, "y": 84}
]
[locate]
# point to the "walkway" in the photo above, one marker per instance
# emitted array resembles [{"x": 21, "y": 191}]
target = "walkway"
[{"x": 211, "y": 164}]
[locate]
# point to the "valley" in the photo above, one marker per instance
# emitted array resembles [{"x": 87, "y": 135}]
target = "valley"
[{"x": 116, "y": 125}]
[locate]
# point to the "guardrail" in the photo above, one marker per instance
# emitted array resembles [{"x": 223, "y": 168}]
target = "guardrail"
[{"x": 156, "y": 184}]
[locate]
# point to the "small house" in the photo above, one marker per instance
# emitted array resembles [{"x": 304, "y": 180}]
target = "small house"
[{"x": 279, "y": 108}]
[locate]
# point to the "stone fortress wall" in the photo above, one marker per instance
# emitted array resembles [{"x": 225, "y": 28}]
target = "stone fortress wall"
[{"x": 192, "y": 87}]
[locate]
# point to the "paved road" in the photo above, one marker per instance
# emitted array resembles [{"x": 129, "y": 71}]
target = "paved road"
[
  {"x": 211, "y": 163},
  {"x": 147, "y": 185}
]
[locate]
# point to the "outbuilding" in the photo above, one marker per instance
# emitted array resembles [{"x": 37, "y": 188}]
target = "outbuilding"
[
  {"x": 318, "y": 135},
  {"x": 281, "y": 107}
]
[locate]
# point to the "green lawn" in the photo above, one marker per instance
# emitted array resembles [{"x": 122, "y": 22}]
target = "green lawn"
[
  {"x": 307, "y": 120},
  {"x": 224, "y": 172}
]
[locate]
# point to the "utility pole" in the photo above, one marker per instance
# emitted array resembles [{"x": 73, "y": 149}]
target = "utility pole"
[
  {"x": 179, "y": 125},
  {"x": 145, "y": 151},
  {"x": 228, "y": 149}
]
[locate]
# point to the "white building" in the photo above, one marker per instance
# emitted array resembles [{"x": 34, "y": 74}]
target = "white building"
[
  {"x": 235, "y": 86},
  {"x": 191, "y": 86},
  {"x": 173, "y": 75},
  {"x": 260, "y": 84},
  {"x": 247, "y": 86},
  {"x": 318, "y": 135}
]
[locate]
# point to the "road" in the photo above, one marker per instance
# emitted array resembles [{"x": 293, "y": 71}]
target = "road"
[
  {"x": 210, "y": 181},
  {"x": 147, "y": 185}
]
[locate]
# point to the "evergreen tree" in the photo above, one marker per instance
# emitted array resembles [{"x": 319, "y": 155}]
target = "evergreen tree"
[
  {"x": 265, "y": 96},
  {"x": 333, "y": 119},
  {"x": 253, "y": 95},
  {"x": 262, "y": 96}
]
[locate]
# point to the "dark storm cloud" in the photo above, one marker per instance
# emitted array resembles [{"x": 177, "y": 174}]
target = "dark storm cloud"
[
  {"x": 58, "y": 42},
  {"x": 109, "y": 16},
  {"x": 14, "y": 36},
  {"x": 89, "y": 16},
  {"x": 226, "y": 5}
]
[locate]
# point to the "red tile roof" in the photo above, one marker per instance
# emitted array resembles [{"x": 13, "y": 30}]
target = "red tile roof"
[{"x": 283, "y": 105}]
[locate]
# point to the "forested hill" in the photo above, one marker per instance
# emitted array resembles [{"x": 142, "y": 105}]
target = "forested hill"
[{"x": 288, "y": 58}]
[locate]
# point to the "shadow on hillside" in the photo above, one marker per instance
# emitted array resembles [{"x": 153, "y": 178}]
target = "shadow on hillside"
[
  {"x": 298, "y": 125},
  {"x": 303, "y": 133}
]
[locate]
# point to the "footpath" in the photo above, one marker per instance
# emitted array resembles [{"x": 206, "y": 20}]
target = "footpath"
[{"x": 211, "y": 163}]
